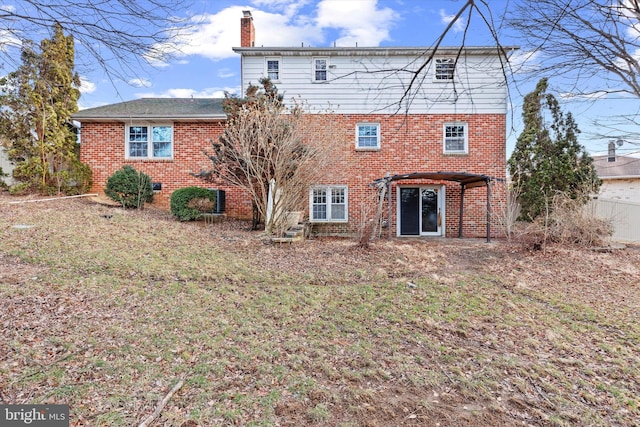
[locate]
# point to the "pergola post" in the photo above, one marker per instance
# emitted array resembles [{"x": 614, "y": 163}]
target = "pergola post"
[
  {"x": 389, "y": 207},
  {"x": 461, "y": 210},
  {"x": 488, "y": 210}
]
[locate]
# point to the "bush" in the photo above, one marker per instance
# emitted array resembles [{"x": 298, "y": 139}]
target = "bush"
[
  {"x": 189, "y": 203},
  {"x": 129, "y": 188},
  {"x": 20, "y": 189},
  {"x": 77, "y": 179},
  {"x": 3, "y": 185},
  {"x": 568, "y": 222}
]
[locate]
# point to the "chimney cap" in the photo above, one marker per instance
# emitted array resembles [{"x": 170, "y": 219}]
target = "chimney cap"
[{"x": 246, "y": 13}]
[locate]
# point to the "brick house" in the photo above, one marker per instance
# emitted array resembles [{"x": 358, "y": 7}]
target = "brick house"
[{"x": 435, "y": 152}]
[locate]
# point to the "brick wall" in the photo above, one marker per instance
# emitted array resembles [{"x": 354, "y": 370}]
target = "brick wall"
[
  {"x": 247, "y": 30},
  {"x": 408, "y": 144},
  {"x": 414, "y": 143},
  {"x": 103, "y": 149}
]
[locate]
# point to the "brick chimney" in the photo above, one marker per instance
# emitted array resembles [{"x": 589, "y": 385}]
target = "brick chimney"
[{"x": 247, "y": 30}]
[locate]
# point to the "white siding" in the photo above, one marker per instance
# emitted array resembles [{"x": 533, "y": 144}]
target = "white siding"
[
  {"x": 624, "y": 190},
  {"x": 367, "y": 84}
]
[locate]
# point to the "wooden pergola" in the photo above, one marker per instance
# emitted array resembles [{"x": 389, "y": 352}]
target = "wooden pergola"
[{"x": 466, "y": 180}]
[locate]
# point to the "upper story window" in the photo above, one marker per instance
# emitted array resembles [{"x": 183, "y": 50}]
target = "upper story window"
[
  {"x": 149, "y": 141},
  {"x": 328, "y": 204},
  {"x": 444, "y": 69},
  {"x": 320, "y": 66},
  {"x": 273, "y": 68},
  {"x": 455, "y": 138},
  {"x": 368, "y": 136}
]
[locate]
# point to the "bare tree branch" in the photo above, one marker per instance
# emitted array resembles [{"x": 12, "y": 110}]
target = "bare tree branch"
[
  {"x": 119, "y": 36},
  {"x": 580, "y": 40}
]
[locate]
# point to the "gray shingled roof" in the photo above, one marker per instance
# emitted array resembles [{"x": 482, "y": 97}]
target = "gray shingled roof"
[
  {"x": 623, "y": 167},
  {"x": 156, "y": 109}
]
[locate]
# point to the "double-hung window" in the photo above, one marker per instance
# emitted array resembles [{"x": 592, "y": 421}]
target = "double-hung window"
[
  {"x": 444, "y": 69},
  {"x": 149, "y": 141},
  {"x": 320, "y": 66},
  {"x": 455, "y": 138},
  {"x": 328, "y": 204},
  {"x": 273, "y": 68},
  {"x": 368, "y": 136}
]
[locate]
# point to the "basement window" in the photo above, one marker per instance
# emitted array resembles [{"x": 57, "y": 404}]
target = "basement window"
[{"x": 328, "y": 204}]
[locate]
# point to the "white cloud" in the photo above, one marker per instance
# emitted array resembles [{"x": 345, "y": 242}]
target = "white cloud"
[
  {"x": 139, "y": 82},
  {"x": 86, "y": 86},
  {"x": 189, "y": 93},
  {"x": 8, "y": 40},
  {"x": 523, "y": 61},
  {"x": 212, "y": 36},
  {"x": 225, "y": 73},
  {"x": 277, "y": 30},
  {"x": 359, "y": 21},
  {"x": 287, "y": 7},
  {"x": 458, "y": 26}
]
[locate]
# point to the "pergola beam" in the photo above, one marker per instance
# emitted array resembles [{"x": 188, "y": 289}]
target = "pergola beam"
[{"x": 465, "y": 180}]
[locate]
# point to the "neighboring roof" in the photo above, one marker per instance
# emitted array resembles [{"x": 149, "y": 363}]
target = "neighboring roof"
[
  {"x": 372, "y": 51},
  {"x": 623, "y": 167},
  {"x": 468, "y": 180},
  {"x": 186, "y": 109}
]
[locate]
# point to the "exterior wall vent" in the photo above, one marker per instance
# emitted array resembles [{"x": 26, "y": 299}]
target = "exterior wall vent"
[{"x": 219, "y": 208}]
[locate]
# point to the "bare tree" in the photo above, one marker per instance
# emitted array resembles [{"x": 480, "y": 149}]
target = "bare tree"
[
  {"x": 590, "y": 46},
  {"x": 119, "y": 36},
  {"x": 274, "y": 153}
]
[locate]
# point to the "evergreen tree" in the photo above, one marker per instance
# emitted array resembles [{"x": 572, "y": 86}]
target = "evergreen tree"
[
  {"x": 548, "y": 160},
  {"x": 37, "y": 102}
]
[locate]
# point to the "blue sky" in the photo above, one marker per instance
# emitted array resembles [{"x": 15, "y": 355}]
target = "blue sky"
[{"x": 206, "y": 66}]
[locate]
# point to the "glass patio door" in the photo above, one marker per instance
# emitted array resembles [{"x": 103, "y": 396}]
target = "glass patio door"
[{"x": 420, "y": 211}]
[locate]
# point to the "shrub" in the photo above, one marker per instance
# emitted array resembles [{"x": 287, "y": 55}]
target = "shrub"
[
  {"x": 3, "y": 184},
  {"x": 129, "y": 188},
  {"x": 77, "y": 179},
  {"x": 20, "y": 189},
  {"x": 189, "y": 203},
  {"x": 568, "y": 222}
]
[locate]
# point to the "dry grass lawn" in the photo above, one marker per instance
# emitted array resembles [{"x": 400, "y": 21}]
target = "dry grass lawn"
[{"x": 106, "y": 310}]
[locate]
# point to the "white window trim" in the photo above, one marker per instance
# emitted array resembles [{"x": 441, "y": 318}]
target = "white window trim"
[
  {"x": 379, "y": 136},
  {"x": 313, "y": 69},
  {"x": 328, "y": 188},
  {"x": 266, "y": 67},
  {"x": 435, "y": 69},
  {"x": 150, "y": 155},
  {"x": 442, "y": 207},
  {"x": 466, "y": 138}
]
